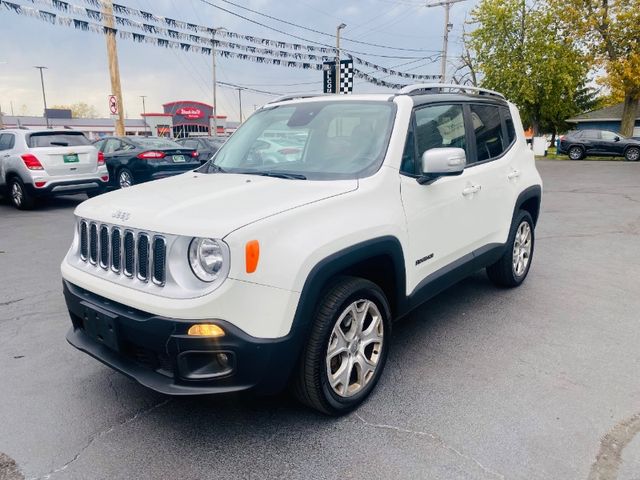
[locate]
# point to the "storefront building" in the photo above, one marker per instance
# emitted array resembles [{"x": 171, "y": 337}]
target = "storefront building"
[{"x": 185, "y": 118}]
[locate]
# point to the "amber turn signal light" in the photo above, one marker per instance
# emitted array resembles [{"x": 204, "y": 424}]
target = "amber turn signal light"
[
  {"x": 252, "y": 255},
  {"x": 205, "y": 330}
]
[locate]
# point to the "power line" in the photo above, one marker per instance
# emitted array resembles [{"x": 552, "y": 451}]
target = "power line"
[
  {"x": 308, "y": 40},
  {"x": 319, "y": 31}
]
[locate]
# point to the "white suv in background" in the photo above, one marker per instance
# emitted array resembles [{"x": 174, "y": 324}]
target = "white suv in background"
[
  {"x": 41, "y": 163},
  {"x": 252, "y": 273}
]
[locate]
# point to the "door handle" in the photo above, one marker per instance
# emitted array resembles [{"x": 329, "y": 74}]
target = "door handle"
[
  {"x": 513, "y": 174},
  {"x": 470, "y": 190}
]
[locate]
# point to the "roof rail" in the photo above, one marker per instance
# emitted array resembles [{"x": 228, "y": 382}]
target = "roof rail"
[
  {"x": 425, "y": 88},
  {"x": 284, "y": 98}
]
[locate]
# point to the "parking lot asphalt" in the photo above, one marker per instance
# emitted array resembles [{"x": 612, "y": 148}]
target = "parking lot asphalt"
[{"x": 540, "y": 382}]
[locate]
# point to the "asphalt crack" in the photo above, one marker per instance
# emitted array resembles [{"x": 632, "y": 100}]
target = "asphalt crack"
[
  {"x": 437, "y": 439},
  {"x": 100, "y": 434},
  {"x": 609, "y": 456},
  {"x": 4, "y": 304}
]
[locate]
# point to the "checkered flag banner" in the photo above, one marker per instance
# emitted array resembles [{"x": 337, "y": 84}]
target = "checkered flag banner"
[{"x": 347, "y": 73}]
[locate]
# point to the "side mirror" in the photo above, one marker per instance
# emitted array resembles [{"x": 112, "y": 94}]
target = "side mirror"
[
  {"x": 616, "y": 139},
  {"x": 442, "y": 162}
]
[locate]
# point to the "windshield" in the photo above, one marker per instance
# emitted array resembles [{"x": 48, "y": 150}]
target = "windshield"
[
  {"x": 154, "y": 142},
  {"x": 316, "y": 140}
]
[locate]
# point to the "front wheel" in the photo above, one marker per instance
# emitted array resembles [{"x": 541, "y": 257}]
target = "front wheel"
[
  {"x": 347, "y": 347},
  {"x": 632, "y": 154},
  {"x": 514, "y": 265}
]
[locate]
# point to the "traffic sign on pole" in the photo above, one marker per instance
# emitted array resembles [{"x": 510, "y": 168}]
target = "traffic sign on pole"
[{"x": 113, "y": 105}]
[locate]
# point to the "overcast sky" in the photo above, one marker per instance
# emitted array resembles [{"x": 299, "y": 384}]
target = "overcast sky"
[{"x": 77, "y": 60}]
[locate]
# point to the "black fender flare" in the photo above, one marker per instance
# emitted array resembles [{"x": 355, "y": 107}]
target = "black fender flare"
[
  {"x": 533, "y": 192},
  {"x": 320, "y": 276}
]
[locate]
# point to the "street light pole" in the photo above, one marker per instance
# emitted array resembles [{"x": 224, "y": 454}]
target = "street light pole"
[
  {"x": 215, "y": 84},
  {"x": 337, "y": 82},
  {"x": 445, "y": 39},
  {"x": 144, "y": 113},
  {"x": 240, "y": 101},
  {"x": 44, "y": 97}
]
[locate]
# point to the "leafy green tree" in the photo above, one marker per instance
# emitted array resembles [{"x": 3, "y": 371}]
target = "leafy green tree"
[
  {"x": 609, "y": 30},
  {"x": 521, "y": 51}
]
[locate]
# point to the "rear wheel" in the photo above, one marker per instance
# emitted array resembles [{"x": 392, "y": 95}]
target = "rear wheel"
[
  {"x": 513, "y": 266},
  {"x": 347, "y": 347},
  {"x": 125, "y": 178},
  {"x": 19, "y": 195},
  {"x": 632, "y": 154},
  {"x": 576, "y": 153}
]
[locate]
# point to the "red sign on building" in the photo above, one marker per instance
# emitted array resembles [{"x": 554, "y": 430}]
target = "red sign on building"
[{"x": 190, "y": 112}]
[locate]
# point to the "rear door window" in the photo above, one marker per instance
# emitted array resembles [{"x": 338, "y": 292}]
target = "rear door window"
[
  {"x": 7, "y": 141},
  {"x": 112, "y": 145},
  {"x": 57, "y": 139},
  {"x": 487, "y": 126}
]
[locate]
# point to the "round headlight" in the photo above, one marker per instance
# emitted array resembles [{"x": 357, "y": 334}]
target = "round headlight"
[{"x": 206, "y": 257}]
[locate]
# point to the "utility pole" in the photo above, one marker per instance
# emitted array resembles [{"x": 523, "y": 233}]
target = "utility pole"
[
  {"x": 114, "y": 69},
  {"x": 240, "y": 101},
  {"x": 44, "y": 97},
  {"x": 337, "y": 82},
  {"x": 215, "y": 83},
  {"x": 144, "y": 113},
  {"x": 447, "y": 28}
]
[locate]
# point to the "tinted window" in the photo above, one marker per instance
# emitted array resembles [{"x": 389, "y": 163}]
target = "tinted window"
[
  {"x": 488, "y": 127},
  {"x": 111, "y": 145},
  {"x": 7, "y": 140},
  {"x": 511, "y": 129},
  {"x": 190, "y": 144},
  {"x": 99, "y": 145},
  {"x": 610, "y": 136},
  {"x": 57, "y": 139},
  {"x": 409, "y": 154},
  {"x": 440, "y": 126},
  {"x": 591, "y": 134}
]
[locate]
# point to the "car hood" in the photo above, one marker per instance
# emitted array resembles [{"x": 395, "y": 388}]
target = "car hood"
[{"x": 207, "y": 205}]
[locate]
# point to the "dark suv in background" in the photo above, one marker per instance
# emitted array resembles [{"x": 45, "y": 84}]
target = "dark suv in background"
[{"x": 578, "y": 144}]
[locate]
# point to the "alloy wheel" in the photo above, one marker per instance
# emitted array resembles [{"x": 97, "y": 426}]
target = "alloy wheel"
[
  {"x": 522, "y": 249},
  {"x": 125, "y": 180},
  {"x": 633, "y": 154},
  {"x": 575, "y": 153},
  {"x": 354, "y": 348},
  {"x": 17, "y": 194}
]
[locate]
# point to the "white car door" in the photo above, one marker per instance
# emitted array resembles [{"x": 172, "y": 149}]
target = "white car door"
[
  {"x": 438, "y": 215},
  {"x": 491, "y": 167},
  {"x": 7, "y": 146}
]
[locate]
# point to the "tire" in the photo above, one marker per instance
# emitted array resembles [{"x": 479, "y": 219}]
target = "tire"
[
  {"x": 312, "y": 384},
  {"x": 576, "y": 153},
  {"x": 19, "y": 196},
  {"x": 124, "y": 178},
  {"x": 513, "y": 267},
  {"x": 632, "y": 154}
]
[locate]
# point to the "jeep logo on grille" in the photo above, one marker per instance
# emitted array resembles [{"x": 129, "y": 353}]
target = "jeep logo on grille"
[{"x": 121, "y": 215}]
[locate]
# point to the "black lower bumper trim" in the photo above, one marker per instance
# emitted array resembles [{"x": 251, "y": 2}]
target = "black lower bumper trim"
[{"x": 157, "y": 353}]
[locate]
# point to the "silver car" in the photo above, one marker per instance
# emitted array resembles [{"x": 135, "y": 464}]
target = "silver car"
[{"x": 42, "y": 163}]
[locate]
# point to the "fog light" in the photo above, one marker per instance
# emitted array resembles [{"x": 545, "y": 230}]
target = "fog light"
[
  {"x": 223, "y": 360},
  {"x": 205, "y": 330},
  {"x": 40, "y": 184}
]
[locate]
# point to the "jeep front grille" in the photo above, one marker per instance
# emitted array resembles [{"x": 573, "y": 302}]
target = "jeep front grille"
[{"x": 138, "y": 255}]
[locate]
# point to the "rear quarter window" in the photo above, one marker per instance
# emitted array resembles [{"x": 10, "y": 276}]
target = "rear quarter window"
[
  {"x": 7, "y": 141},
  {"x": 56, "y": 139}
]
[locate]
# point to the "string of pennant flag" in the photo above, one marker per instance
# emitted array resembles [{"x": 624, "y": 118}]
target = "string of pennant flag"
[
  {"x": 188, "y": 42},
  {"x": 169, "y": 27}
]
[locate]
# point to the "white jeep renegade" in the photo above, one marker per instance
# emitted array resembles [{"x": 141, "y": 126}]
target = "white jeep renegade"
[{"x": 284, "y": 260}]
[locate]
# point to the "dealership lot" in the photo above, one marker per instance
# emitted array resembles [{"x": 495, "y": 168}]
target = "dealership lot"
[{"x": 538, "y": 382}]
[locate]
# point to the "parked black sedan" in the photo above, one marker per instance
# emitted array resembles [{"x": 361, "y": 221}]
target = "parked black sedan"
[
  {"x": 206, "y": 146},
  {"x": 578, "y": 144},
  {"x": 132, "y": 160}
]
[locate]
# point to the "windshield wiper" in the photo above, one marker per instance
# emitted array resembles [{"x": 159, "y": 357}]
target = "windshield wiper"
[
  {"x": 213, "y": 168},
  {"x": 289, "y": 176}
]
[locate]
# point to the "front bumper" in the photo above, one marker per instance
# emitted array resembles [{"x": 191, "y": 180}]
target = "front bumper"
[{"x": 156, "y": 351}]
